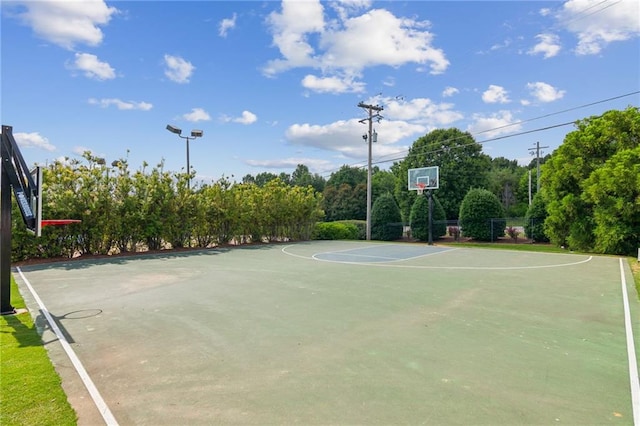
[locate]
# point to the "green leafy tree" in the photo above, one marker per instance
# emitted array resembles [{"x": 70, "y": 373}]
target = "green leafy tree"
[
  {"x": 614, "y": 192},
  {"x": 477, "y": 210},
  {"x": 386, "y": 221},
  {"x": 353, "y": 176},
  {"x": 182, "y": 206},
  {"x": 462, "y": 166},
  {"x": 303, "y": 177},
  {"x": 571, "y": 218},
  {"x": 534, "y": 220},
  {"x": 503, "y": 180},
  {"x": 382, "y": 182},
  {"x": 419, "y": 219},
  {"x": 345, "y": 202},
  {"x": 260, "y": 179}
]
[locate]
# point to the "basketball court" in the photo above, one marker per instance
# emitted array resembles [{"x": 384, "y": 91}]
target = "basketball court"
[{"x": 337, "y": 332}]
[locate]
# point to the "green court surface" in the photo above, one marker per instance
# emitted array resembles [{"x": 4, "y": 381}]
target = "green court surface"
[{"x": 344, "y": 333}]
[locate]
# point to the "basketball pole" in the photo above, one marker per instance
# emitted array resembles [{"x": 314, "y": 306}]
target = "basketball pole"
[
  {"x": 5, "y": 241},
  {"x": 429, "y": 195}
]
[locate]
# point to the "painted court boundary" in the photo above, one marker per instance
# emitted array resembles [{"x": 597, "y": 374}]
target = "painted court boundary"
[
  {"x": 390, "y": 264},
  {"x": 631, "y": 351},
  {"x": 101, "y": 405}
]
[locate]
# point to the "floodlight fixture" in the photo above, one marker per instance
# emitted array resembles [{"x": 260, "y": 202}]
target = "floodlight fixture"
[
  {"x": 194, "y": 134},
  {"x": 173, "y": 129}
]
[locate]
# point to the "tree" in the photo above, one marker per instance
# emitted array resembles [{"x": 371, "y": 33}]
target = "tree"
[
  {"x": 419, "y": 219},
  {"x": 262, "y": 178},
  {"x": 571, "y": 218},
  {"x": 614, "y": 192},
  {"x": 477, "y": 210},
  {"x": 503, "y": 180},
  {"x": 382, "y": 182},
  {"x": 462, "y": 166},
  {"x": 349, "y": 175},
  {"x": 386, "y": 222},
  {"x": 534, "y": 220},
  {"x": 303, "y": 177},
  {"x": 345, "y": 194}
]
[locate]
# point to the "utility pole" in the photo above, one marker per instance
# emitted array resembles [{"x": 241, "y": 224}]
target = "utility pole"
[
  {"x": 536, "y": 150},
  {"x": 374, "y": 112}
]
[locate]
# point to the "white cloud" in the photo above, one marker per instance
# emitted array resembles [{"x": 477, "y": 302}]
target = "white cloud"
[
  {"x": 178, "y": 69},
  {"x": 597, "y": 23},
  {"x": 346, "y": 8},
  {"x": 80, "y": 150},
  {"x": 333, "y": 84},
  {"x": 290, "y": 29},
  {"x": 449, "y": 91},
  {"x": 226, "y": 25},
  {"x": 345, "y": 137},
  {"x": 544, "y": 92},
  {"x": 397, "y": 41},
  {"x": 499, "y": 46},
  {"x": 495, "y": 94},
  {"x": 247, "y": 117},
  {"x": 347, "y": 45},
  {"x": 92, "y": 67},
  {"x": 545, "y": 11},
  {"x": 420, "y": 111},
  {"x": 67, "y": 23},
  {"x": 33, "y": 140},
  {"x": 493, "y": 125},
  {"x": 548, "y": 45},
  {"x": 121, "y": 105},
  {"x": 196, "y": 114},
  {"x": 314, "y": 165}
]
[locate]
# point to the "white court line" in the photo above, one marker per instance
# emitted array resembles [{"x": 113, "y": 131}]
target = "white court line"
[
  {"x": 390, "y": 259},
  {"x": 368, "y": 256},
  {"x": 631, "y": 351},
  {"x": 88, "y": 383},
  {"x": 463, "y": 268}
]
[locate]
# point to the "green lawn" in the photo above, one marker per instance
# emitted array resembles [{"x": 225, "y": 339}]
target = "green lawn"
[{"x": 30, "y": 390}]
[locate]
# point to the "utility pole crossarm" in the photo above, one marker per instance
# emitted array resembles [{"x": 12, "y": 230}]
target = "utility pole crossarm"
[{"x": 536, "y": 149}]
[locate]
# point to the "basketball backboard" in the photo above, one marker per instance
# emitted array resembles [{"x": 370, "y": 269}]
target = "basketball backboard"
[
  {"x": 429, "y": 176},
  {"x": 36, "y": 199}
]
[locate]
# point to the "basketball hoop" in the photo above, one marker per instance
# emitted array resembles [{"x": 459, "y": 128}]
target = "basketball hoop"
[
  {"x": 421, "y": 187},
  {"x": 59, "y": 222}
]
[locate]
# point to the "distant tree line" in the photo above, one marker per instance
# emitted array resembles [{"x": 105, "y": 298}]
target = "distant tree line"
[{"x": 589, "y": 198}]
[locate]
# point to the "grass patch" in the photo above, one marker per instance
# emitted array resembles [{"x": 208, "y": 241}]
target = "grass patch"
[
  {"x": 635, "y": 268},
  {"x": 30, "y": 389}
]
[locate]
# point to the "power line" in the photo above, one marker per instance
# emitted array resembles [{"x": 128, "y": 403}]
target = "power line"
[
  {"x": 382, "y": 159},
  {"x": 433, "y": 151}
]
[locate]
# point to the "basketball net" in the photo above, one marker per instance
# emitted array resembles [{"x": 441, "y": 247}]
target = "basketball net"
[{"x": 421, "y": 186}]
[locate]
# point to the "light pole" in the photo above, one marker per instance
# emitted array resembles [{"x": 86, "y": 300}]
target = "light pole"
[{"x": 194, "y": 134}]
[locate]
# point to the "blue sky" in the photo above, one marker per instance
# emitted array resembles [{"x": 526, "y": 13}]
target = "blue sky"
[{"x": 274, "y": 84}]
